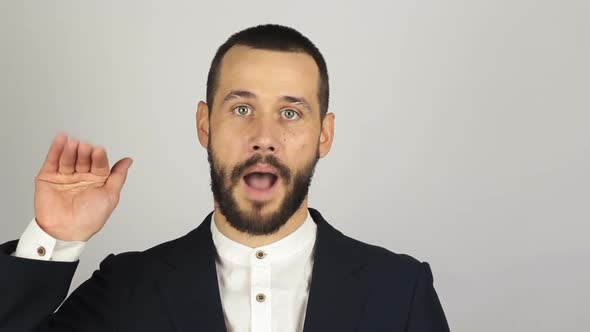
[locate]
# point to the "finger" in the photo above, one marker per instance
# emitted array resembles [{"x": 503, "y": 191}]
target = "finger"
[
  {"x": 118, "y": 176},
  {"x": 83, "y": 161},
  {"x": 67, "y": 160},
  {"x": 99, "y": 161},
  {"x": 51, "y": 163}
]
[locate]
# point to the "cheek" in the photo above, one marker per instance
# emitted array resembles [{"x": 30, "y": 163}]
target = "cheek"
[
  {"x": 301, "y": 151},
  {"x": 228, "y": 144},
  {"x": 307, "y": 144}
]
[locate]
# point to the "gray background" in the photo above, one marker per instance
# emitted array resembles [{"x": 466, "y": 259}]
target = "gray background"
[{"x": 462, "y": 133}]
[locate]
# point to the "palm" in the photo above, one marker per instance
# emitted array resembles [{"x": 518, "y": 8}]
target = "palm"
[
  {"x": 79, "y": 200},
  {"x": 74, "y": 200}
]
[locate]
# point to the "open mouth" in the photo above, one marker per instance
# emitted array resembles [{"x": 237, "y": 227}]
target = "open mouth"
[
  {"x": 260, "y": 180},
  {"x": 261, "y": 183}
]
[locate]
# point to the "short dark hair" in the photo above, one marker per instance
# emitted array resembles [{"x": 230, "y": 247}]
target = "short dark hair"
[{"x": 275, "y": 38}]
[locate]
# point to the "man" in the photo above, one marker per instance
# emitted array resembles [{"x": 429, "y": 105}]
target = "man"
[{"x": 261, "y": 261}]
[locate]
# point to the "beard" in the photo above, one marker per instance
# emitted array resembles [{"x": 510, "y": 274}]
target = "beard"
[{"x": 254, "y": 222}]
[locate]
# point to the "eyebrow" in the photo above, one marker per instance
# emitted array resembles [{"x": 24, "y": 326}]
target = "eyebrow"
[
  {"x": 236, "y": 94},
  {"x": 298, "y": 101}
]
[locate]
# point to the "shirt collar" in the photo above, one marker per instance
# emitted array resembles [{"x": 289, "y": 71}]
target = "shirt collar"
[{"x": 301, "y": 238}]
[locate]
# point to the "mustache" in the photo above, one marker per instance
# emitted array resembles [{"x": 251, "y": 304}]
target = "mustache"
[{"x": 269, "y": 159}]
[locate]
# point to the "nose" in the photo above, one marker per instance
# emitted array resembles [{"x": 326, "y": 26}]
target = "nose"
[{"x": 264, "y": 138}]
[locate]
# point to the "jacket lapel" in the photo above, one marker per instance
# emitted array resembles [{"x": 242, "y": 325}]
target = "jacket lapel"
[
  {"x": 189, "y": 287},
  {"x": 337, "y": 294}
]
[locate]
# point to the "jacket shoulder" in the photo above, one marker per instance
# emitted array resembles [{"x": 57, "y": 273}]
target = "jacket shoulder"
[
  {"x": 144, "y": 262},
  {"x": 373, "y": 257},
  {"x": 386, "y": 263},
  {"x": 388, "y": 274}
]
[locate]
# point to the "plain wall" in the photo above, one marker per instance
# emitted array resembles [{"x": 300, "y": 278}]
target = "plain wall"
[{"x": 462, "y": 133}]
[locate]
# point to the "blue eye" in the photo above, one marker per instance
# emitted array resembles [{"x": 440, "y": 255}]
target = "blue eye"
[
  {"x": 242, "y": 110},
  {"x": 290, "y": 114}
]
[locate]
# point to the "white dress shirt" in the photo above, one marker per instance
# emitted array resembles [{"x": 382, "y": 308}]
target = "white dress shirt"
[
  {"x": 263, "y": 289},
  {"x": 266, "y": 288}
]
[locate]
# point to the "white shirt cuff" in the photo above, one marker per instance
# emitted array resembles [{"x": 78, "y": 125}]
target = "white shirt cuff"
[{"x": 36, "y": 244}]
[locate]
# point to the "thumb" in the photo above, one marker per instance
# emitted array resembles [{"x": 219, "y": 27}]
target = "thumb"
[{"x": 118, "y": 175}]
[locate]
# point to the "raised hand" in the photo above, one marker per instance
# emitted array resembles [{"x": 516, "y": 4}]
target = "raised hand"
[{"x": 75, "y": 190}]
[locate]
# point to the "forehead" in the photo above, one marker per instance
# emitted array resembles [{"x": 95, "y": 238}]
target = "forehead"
[{"x": 269, "y": 74}]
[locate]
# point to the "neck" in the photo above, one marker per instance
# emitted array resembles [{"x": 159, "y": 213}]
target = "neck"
[{"x": 253, "y": 241}]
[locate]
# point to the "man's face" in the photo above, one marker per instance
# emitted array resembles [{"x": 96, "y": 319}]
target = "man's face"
[{"x": 263, "y": 136}]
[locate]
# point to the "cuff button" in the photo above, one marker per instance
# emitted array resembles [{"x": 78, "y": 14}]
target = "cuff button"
[{"x": 41, "y": 251}]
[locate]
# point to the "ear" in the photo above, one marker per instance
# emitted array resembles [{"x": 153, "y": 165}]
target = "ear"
[
  {"x": 326, "y": 134},
  {"x": 203, "y": 123}
]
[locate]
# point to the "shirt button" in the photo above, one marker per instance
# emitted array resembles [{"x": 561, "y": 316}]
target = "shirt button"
[
  {"x": 260, "y": 254},
  {"x": 260, "y": 297},
  {"x": 41, "y": 251}
]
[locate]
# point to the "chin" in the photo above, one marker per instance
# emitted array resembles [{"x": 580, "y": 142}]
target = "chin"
[{"x": 260, "y": 207}]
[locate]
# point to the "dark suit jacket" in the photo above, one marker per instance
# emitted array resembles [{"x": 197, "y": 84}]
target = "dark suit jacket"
[{"x": 173, "y": 287}]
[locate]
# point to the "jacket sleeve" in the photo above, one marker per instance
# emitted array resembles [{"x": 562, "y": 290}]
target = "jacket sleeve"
[
  {"x": 426, "y": 312},
  {"x": 32, "y": 290}
]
